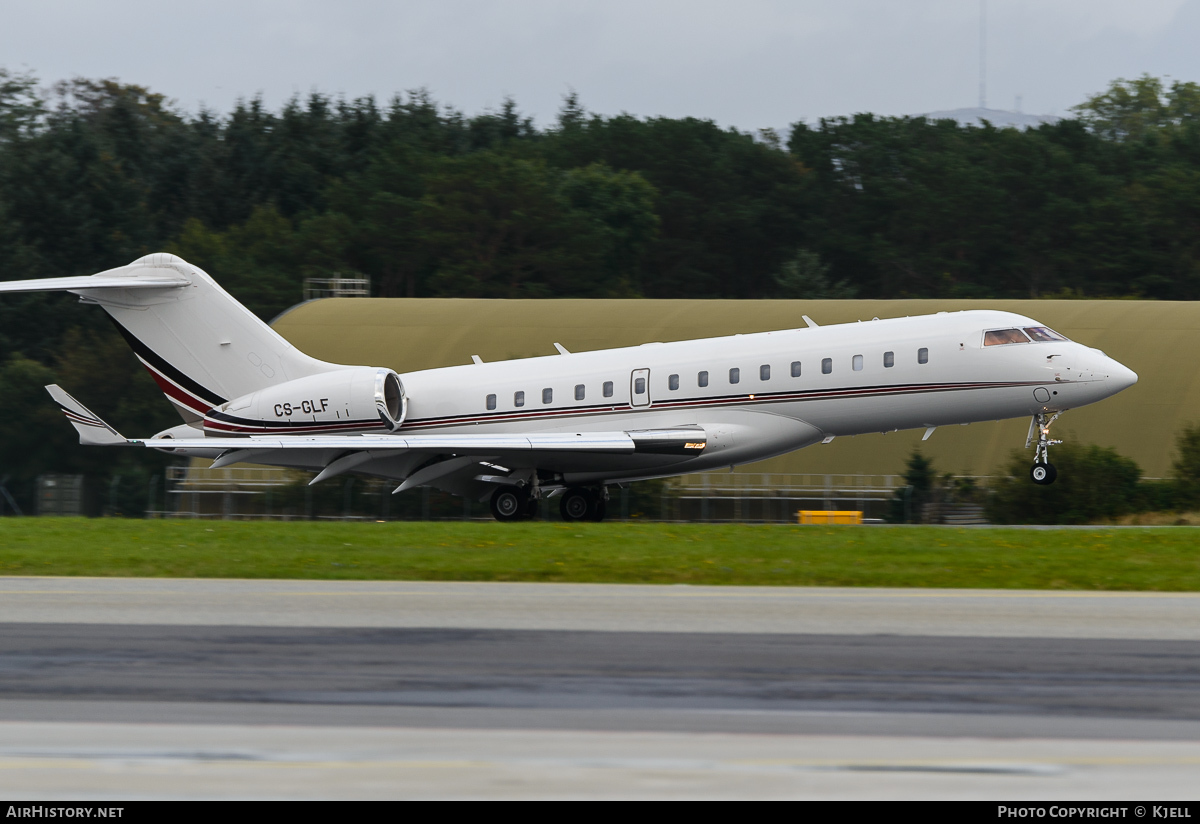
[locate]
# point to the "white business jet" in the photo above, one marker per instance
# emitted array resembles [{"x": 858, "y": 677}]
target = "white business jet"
[{"x": 570, "y": 425}]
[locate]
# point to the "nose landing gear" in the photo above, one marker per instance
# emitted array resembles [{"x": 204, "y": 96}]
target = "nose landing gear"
[{"x": 1042, "y": 472}]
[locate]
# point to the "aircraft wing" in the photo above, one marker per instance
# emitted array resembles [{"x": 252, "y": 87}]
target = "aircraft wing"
[
  {"x": 683, "y": 440},
  {"x": 687, "y": 440}
]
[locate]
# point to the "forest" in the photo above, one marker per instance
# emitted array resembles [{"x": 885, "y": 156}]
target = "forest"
[{"x": 428, "y": 201}]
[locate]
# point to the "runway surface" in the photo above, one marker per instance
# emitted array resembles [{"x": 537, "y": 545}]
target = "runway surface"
[
  {"x": 615, "y": 608},
  {"x": 180, "y": 688}
]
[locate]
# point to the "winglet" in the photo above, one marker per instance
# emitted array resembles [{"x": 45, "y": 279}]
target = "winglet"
[{"x": 92, "y": 431}]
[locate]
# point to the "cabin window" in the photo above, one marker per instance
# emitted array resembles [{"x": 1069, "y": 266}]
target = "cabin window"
[
  {"x": 857, "y": 363},
  {"x": 1000, "y": 337},
  {"x": 580, "y": 392},
  {"x": 735, "y": 375},
  {"x": 764, "y": 372},
  {"x": 608, "y": 389},
  {"x": 922, "y": 355},
  {"x": 889, "y": 359},
  {"x": 702, "y": 379},
  {"x": 547, "y": 396},
  {"x": 639, "y": 386},
  {"x": 1041, "y": 333},
  {"x": 826, "y": 366},
  {"x": 491, "y": 402},
  {"x": 673, "y": 382},
  {"x": 795, "y": 369},
  {"x": 518, "y": 399}
]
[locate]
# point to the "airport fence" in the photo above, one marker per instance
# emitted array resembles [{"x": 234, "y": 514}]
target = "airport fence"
[
  {"x": 336, "y": 287},
  {"x": 241, "y": 493}
]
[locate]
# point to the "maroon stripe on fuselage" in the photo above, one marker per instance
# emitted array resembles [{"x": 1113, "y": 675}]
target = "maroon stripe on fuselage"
[{"x": 714, "y": 401}]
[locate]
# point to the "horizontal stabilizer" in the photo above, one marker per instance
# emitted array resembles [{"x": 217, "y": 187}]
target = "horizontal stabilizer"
[
  {"x": 94, "y": 282},
  {"x": 690, "y": 440},
  {"x": 92, "y": 431}
]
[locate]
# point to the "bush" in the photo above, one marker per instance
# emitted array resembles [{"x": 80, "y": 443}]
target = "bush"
[
  {"x": 919, "y": 477},
  {"x": 1160, "y": 496},
  {"x": 1094, "y": 483},
  {"x": 1186, "y": 469}
]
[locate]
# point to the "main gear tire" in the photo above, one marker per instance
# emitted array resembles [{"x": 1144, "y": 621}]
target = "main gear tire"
[
  {"x": 509, "y": 503},
  {"x": 576, "y": 504},
  {"x": 599, "y": 509}
]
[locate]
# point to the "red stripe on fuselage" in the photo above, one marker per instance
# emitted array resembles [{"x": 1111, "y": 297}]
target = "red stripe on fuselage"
[{"x": 724, "y": 400}]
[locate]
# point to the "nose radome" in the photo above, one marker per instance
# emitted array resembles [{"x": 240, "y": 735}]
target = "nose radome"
[{"x": 1119, "y": 375}]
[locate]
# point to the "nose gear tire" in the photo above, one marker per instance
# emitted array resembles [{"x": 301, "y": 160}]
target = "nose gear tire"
[{"x": 1043, "y": 474}]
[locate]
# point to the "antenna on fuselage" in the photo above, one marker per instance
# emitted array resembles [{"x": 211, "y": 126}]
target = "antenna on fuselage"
[{"x": 812, "y": 324}]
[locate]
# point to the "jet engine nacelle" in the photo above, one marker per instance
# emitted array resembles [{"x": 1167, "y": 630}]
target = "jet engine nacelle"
[{"x": 355, "y": 399}]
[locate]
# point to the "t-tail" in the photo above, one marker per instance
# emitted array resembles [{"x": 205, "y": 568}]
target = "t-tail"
[{"x": 219, "y": 364}]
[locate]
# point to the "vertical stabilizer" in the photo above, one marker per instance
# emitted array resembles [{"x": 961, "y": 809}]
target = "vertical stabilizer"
[{"x": 202, "y": 346}]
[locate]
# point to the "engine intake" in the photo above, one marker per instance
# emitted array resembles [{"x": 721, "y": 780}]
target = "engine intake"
[{"x": 355, "y": 399}]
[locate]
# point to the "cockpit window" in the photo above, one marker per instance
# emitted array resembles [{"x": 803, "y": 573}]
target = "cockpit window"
[
  {"x": 1000, "y": 337},
  {"x": 1041, "y": 333}
]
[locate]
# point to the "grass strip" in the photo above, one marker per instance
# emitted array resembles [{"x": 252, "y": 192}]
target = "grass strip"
[{"x": 1154, "y": 559}]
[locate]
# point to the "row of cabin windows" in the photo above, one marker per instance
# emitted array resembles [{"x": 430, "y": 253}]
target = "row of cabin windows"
[
  {"x": 548, "y": 394},
  {"x": 735, "y": 376},
  {"x": 764, "y": 371}
]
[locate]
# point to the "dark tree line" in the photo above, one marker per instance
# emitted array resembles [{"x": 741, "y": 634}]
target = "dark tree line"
[{"x": 427, "y": 201}]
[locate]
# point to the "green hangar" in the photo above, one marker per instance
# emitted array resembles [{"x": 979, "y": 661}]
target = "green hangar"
[{"x": 1155, "y": 339}]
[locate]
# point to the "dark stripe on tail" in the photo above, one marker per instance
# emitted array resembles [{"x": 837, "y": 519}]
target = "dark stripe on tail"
[{"x": 151, "y": 357}]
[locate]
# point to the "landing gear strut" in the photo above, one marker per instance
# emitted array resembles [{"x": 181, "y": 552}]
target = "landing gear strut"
[
  {"x": 1042, "y": 472},
  {"x": 581, "y": 504}
]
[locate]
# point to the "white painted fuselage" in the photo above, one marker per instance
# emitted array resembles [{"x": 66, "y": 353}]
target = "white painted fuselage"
[{"x": 843, "y": 386}]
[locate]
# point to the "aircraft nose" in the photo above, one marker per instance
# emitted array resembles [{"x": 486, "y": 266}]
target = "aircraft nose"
[{"x": 1118, "y": 375}]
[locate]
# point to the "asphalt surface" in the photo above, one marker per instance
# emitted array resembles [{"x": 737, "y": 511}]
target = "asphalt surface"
[
  {"x": 270, "y": 689},
  {"x": 602, "y": 670}
]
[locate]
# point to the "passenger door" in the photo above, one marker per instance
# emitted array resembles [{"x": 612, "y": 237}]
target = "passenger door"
[{"x": 639, "y": 388}]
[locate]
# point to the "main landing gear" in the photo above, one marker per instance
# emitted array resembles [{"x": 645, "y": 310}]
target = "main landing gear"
[
  {"x": 1042, "y": 472},
  {"x": 583, "y": 504},
  {"x": 513, "y": 503}
]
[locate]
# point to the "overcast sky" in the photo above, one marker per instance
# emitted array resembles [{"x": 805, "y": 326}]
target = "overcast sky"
[{"x": 750, "y": 63}]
